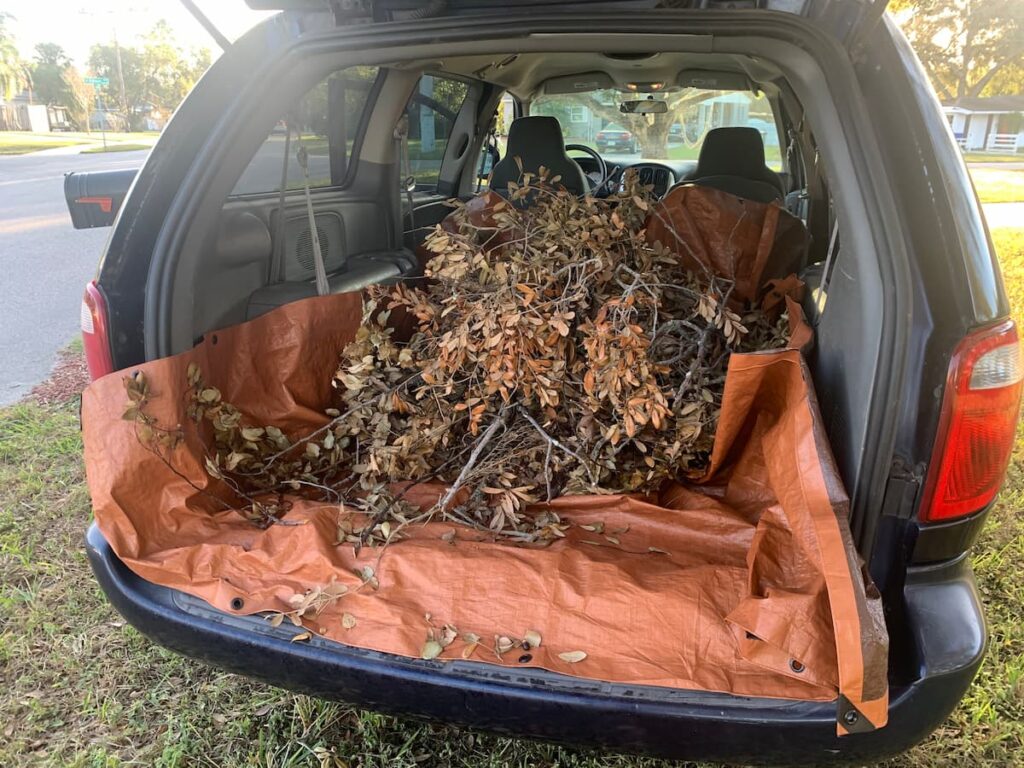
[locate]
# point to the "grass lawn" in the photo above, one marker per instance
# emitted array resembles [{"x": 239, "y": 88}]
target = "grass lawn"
[
  {"x": 126, "y": 147},
  {"x": 21, "y": 142},
  {"x": 993, "y": 157},
  {"x": 996, "y": 185},
  {"x": 113, "y": 135},
  {"x": 81, "y": 688}
]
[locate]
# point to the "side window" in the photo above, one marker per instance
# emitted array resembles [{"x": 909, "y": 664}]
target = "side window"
[
  {"x": 432, "y": 110},
  {"x": 329, "y": 119}
]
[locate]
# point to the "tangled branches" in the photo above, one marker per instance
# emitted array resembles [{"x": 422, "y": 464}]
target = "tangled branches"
[{"x": 553, "y": 350}]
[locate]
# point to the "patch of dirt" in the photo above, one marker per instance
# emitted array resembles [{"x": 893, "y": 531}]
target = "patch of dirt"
[{"x": 69, "y": 377}]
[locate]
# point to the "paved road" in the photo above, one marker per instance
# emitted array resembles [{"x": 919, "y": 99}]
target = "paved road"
[{"x": 44, "y": 263}]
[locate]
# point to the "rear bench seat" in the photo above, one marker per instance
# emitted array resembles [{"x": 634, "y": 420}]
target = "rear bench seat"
[{"x": 375, "y": 267}]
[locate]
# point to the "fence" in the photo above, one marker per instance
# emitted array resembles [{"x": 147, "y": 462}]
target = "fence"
[{"x": 1004, "y": 142}]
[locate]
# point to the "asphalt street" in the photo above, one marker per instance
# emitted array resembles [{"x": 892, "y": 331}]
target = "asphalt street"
[{"x": 44, "y": 262}]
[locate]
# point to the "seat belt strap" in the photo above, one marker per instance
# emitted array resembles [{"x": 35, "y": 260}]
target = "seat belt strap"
[
  {"x": 279, "y": 233},
  {"x": 826, "y": 272},
  {"x": 408, "y": 181},
  {"x": 322, "y": 286}
]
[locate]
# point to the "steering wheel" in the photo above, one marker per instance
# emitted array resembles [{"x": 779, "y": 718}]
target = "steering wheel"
[{"x": 601, "y": 164}]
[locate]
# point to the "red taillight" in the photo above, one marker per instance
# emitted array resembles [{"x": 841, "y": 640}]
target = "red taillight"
[
  {"x": 978, "y": 424},
  {"x": 95, "y": 332}
]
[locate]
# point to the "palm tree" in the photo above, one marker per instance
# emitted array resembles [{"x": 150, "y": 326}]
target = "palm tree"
[{"x": 14, "y": 76}]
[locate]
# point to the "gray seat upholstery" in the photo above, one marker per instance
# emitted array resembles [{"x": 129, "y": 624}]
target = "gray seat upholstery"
[
  {"x": 360, "y": 271},
  {"x": 537, "y": 141},
  {"x": 732, "y": 160}
]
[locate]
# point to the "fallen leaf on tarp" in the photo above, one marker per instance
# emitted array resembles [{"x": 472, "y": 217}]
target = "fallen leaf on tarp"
[
  {"x": 348, "y": 620},
  {"x": 366, "y": 573},
  {"x": 431, "y": 650},
  {"x": 301, "y": 637},
  {"x": 572, "y": 657},
  {"x": 448, "y": 635},
  {"x": 532, "y": 638}
]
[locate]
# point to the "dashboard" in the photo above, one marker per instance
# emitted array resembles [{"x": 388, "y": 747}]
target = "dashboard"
[{"x": 660, "y": 175}]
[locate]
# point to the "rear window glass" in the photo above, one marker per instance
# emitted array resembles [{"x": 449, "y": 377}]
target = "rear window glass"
[
  {"x": 311, "y": 123},
  {"x": 432, "y": 110}
]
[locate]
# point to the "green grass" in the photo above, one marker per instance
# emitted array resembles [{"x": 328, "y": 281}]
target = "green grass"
[
  {"x": 111, "y": 135},
  {"x": 993, "y": 157},
  {"x": 997, "y": 185},
  {"x": 115, "y": 148},
  {"x": 80, "y": 688},
  {"x": 23, "y": 142},
  {"x": 20, "y": 142}
]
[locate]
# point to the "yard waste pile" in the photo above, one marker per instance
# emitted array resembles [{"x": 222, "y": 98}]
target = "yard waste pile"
[{"x": 587, "y": 442}]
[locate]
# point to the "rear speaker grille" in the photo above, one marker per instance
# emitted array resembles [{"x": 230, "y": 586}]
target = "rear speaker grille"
[
  {"x": 298, "y": 255},
  {"x": 304, "y": 253}
]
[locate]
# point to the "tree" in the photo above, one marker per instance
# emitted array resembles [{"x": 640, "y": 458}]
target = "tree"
[
  {"x": 14, "y": 74},
  {"x": 966, "y": 46},
  {"x": 48, "y": 73},
  {"x": 155, "y": 73},
  {"x": 651, "y": 131},
  {"x": 56, "y": 82}
]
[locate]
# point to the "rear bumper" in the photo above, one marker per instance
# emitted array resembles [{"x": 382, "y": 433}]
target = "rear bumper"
[{"x": 941, "y": 605}]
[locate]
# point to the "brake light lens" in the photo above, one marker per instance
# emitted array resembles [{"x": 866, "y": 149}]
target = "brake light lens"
[
  {"x": 95, "y": 332},
  {"x": 978, "y": 425}
]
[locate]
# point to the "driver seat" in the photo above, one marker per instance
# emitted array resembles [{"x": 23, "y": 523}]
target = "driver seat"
[{"x": 537, "y": 141}]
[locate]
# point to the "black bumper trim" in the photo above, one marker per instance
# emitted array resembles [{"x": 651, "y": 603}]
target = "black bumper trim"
[{"x": 690, "y": 725}]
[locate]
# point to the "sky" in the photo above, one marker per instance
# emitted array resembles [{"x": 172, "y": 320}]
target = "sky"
[{"x": 77, "y": 24}]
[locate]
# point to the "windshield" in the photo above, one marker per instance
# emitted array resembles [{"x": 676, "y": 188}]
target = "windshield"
[{"x": 594, "y": 119}]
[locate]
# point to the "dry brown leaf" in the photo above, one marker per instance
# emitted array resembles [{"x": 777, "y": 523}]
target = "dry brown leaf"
[{"x": 572, "y": 657}]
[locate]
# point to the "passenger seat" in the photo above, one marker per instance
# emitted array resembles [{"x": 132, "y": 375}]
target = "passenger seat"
[{"x": 732, "y": 160}]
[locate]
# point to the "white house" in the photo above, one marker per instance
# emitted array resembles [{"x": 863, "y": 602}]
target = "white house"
[{"x": 989, "y": 123}]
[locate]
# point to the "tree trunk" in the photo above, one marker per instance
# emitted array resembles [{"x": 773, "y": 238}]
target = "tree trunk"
[{"x": 653, "y": 137}]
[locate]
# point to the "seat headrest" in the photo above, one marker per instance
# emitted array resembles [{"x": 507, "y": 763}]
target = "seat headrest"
[
  {"x": 527, "y": 134},
  {"x": 537, "y": 141},
  {"x": 735, "y": 151}
]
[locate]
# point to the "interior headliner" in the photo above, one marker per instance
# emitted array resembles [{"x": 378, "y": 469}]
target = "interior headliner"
[{"x": 524, "y": 74}]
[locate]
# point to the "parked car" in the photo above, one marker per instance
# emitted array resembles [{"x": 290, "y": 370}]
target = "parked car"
[
  {"x": 916, "y": 362},
  {"x": 616, "y": 138}
]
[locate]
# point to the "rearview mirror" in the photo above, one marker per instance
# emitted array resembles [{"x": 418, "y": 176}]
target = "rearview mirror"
[{"x": 643, "y": 107}]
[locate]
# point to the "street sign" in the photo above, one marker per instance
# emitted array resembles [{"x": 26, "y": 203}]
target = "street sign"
[{"x": 97, "y": 80}]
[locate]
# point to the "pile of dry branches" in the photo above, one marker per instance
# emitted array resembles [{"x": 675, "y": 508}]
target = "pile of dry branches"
[{"x": 552, "y": 351}]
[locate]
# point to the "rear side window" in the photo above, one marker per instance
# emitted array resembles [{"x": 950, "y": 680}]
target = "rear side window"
[
  {"x": 329, "y": 118},
  {"x": 432, "y": 110}
]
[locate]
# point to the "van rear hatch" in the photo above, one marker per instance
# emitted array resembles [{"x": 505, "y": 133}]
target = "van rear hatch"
[{"x": 847, "y": 20}]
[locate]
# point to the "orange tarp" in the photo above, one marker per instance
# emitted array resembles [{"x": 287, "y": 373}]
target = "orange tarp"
[{"x": 746, "y": 583}]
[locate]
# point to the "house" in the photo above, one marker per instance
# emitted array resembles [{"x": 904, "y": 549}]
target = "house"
[
  {"x": 20, "y": 114},
  {"x": 988, "y": 123}
]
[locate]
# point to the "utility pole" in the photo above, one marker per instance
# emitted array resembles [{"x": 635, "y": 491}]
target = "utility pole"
[
  {"x": 117, "y": 55},
  {"x": 120, "y": 75}
]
